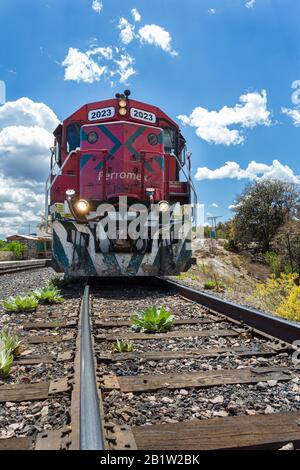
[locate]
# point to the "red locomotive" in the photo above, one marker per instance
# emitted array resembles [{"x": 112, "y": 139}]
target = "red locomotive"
[{"x": 107, "y": 155}]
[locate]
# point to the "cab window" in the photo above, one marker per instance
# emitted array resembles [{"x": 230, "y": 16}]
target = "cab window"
[
  {"x": 169, "y": 139},
  {"x": 73, "y": 137}
]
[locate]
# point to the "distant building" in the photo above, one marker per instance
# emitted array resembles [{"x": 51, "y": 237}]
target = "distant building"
[{"x": 38, "y": 246}]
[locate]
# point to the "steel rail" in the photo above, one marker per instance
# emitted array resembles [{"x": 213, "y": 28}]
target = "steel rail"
[
  {"x": 277, "y": 327},
  {"x": 91, "y": 437},
  {"x": 19, "y": 266}
]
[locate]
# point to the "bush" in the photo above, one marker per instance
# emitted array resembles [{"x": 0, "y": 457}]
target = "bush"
[
  {"x": 153, "y": 320},
  {"x": 273, "y": 260},
  {"x": 211, "y": 285},
  {"x": 59, "y": 282},
  {"x": 274, "y": 292},
  {"x": 16, "y": 247},
  {"x": 230, "y": 245},
  {"x": 290, "y": 307}
]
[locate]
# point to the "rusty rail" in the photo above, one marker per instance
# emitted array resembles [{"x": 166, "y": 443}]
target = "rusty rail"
[{"x": 276, "y": 327}]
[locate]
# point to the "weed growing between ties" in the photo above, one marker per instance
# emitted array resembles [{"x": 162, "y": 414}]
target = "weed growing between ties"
[
  {"x": 10, "y": 347},
  {"x": 48, "y": 295},
  {"x": 153, "y": 320},
  {"x": 21, "y": 303},
  {"x": 123, "y": 346}
]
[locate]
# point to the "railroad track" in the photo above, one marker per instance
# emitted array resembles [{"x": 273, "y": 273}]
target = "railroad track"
[
  {"x": 212, "y": 382},
  {"x": 10, "y": 267}
]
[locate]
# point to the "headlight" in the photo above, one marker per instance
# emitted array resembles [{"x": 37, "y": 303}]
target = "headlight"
[
  {"x": 92, "y": 137},
  {"x": 163, "y": 206},
  {"x": 122, "y": 103},
  {"x": 82, "y": 206},
  {"x": 122, "y": 111}
]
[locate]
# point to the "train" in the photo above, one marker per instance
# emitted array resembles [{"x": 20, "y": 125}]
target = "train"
[{"x": 120, "y": 192}]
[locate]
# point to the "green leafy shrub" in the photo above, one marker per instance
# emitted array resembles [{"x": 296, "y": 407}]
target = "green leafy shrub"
[
  {"x": 48, "y": 295},
  {"x": 16, "y": 247},
  {"x": 273, "y": 260},
  {"x": 26, "y": 303},
  {"x": 273, "y": 293},
  {"x": 153, "y": 320},
  {"x": 10, "y": 341},
  {"x": 211, "y": 285},
  {"x": 123, "y": 346},
  {"x": 6, "y": 361},
  {"x": 59, "y": 282},
  {"x": 290, "y": 307},
  {"x": 230, "y": 245}
]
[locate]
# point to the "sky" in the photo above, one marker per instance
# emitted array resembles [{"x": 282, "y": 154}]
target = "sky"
[{"x": 226, "y": 70}]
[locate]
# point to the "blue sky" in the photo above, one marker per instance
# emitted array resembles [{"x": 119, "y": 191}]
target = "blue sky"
[{"x": 194, "y": 59}]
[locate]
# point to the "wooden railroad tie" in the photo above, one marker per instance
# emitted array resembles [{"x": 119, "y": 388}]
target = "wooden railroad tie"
[
  {"x": 211, "y": 378},
  {"x": 33, "y": 391},
  {"x": 168, "y": 335},
  {"x": 186, "y": 354},
  {"x": 37, "y": 339},
  {"x": 39, "y": 325},
  {"x": 238, "y": 432}
]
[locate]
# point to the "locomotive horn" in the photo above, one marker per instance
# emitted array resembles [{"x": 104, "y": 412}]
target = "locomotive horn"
[{"x": 127, "y": 93}]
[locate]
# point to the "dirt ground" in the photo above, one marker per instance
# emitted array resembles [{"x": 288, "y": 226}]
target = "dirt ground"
[{"x": 235, "y": 274}]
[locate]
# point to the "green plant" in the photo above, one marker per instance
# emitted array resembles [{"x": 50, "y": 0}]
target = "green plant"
[
  {"x": 153, "y": 320},
  {"x": 21, "y": 303},
  {"x": 10, "y": 341},
  {"x": 273, "y": 260},
  {"x": 48, "y": 295},
  {"x": 123, "y": 346},
  {"x": 290, "y": 307},
  {"x": 211, "y": 285},
  {"x": 230, "y": 245},
  {"x": 16, "y": 247},
  {"x": 59, "y": 282},
  {"x": 274, "y": 292},
  {"x": 6, "y": 361}
]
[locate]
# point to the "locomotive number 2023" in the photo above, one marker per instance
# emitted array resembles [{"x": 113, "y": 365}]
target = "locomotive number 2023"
[
  {"x": 142, "y": 115},
  {"x": 101, "y": 113}
]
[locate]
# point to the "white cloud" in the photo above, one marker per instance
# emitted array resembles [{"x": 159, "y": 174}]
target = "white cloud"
[
  {"x": 97, "y": 6},
  {"x": 98, "y": 63},
  {"x": 250, "y": 3},
  {"x": 212, "y": 11},
  {"x": 24, "y": 151},
  {"x": 254, "y": 171},
  {"x": 294, "y": 114},
  {"x": 136, "y": 15},
  {"x": 80, "y": 67},
  {"x": 25, "y": 137},
  {"x": 157, "y": 36},
  {"x": 214, "y": 126},
  {"x": 125, "y": 67},
  {"x": 232, "y": 206},
  {"x": 126, "y": 31},
  {"x": 25, "y": 112},
  {"x": 214, "y": 205}
]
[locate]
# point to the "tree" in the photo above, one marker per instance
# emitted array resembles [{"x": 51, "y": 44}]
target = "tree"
[
  {"x": 287, "y": 245},
  {"x": 262, "y": 208}
]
